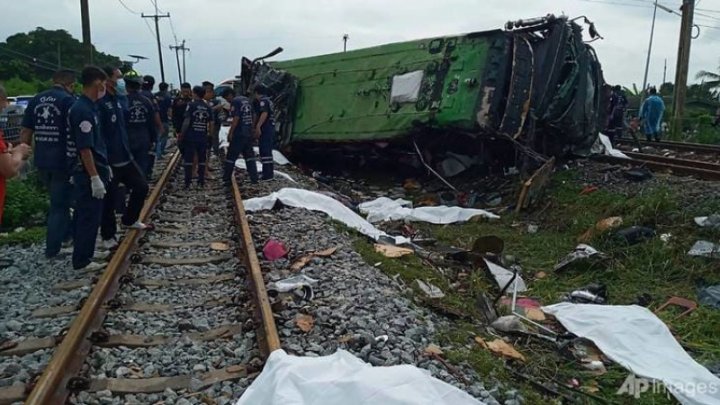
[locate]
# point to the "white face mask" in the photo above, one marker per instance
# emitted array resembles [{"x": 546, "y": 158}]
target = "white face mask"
[{"x": 120, "y": 87}]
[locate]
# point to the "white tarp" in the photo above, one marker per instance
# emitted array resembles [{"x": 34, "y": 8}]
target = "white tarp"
[
  {"x": 294, "y": 197},
  {"x": 385, "y": 209},
  {"x": 636, "y": 339},
  {"x": 343, "y": 379},
  {"x": 604, "y": 146},
  {"x": 406, "y": 88},
  {"x": 503, "y": 276}
]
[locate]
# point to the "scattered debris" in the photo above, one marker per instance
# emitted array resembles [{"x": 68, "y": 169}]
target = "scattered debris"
[
  {"x": 219, "y": 246},
  {"x": 703, "y": 248},
  {"x": 527, "y": 307},
  {"x": 304, "y": 322},
  {"x": 604, "y": 146},
  {"x": 635, "y": 234},
  {"x": 305, "y": 259},
  {"x": 430, "y": 290},
  {"x": 507, "y": 280},
  {"x": 666, "y": 237},
  {"x": 589, "y": 190},
  {"x": 713, "y": 221},
  {"x": 301, "y": 285},
  {"x": 582, "y": 252},
  {"x": 501, "y": 348},
  {"x": 433, "y": 349},
  {"x": 411, "y": 185},
  {"x": 590, "y": 294},
  {"x": 709, "y": 296},
  {"x": 684, "y": 303},
  {"x": 638, "y": 174},
  {"x": 540, "y": 275},
  {"x": 643, "y": 300},
  {"x": 600, "y": 227},
  {"x": 488, "y": 245},
  {"x": 274, "y": 250},
  {"x": 532, "y": 228},
  {"x": 532, "y": 190},
  {"x": 392, "y": 251},
  {"x": 635, "y": 338},
  {"x": 509, "y": 324}
]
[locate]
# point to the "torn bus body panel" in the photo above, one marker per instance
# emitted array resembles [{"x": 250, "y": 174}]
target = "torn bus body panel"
[{"x": 537, "y": 85}]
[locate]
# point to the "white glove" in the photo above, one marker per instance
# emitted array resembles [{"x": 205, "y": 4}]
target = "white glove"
[{"x": 98, "y": 188}]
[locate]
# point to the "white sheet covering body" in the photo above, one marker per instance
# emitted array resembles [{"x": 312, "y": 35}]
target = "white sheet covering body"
[
  {"x": 638, "y": 340},
  {"x": 278, "y": 158},
  {"x": 343, "y": 379},
  {"x": 385, "y": 209},
  {"x": 294, "y": 197}
]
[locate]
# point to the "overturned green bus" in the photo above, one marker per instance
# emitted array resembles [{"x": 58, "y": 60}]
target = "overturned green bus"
[{"x": 536, "y": 85}]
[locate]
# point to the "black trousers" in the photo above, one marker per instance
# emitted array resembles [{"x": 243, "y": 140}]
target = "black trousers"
[
  {"x": 241, "y": 144},
  {"x": 134, "y": 180},
  {"x": 192, "y": 147}
]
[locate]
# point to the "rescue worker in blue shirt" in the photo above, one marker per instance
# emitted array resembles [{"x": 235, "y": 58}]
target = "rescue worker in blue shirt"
[
  {"x": 218, "y": 117},
  {"x": 239, "y": 136},
  {"x": 142, "y": 132},
  {"x": 124, "y": 167},
  {"x": 265, "y": 130},
  {"x": 193, "y": 135},
  {"x": 91, "y": 170},
  {"x": 651, "y": 114},
  {"x": 147, "y": 91},
  {"x": 46, "y": 119},
  {"x": 164, "y": 102}
]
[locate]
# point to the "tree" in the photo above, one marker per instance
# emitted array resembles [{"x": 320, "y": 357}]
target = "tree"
[
  {"x": 37, "y": 54},
  {"x": 710, "y": 79}
]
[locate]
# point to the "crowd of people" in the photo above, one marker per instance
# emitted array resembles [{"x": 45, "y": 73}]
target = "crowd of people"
[
  {"x": 649, "y": 121},
  {"x": 93, "y": 148}
]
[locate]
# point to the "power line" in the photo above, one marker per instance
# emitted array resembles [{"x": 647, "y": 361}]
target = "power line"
[{"x": 128, "y": 8}]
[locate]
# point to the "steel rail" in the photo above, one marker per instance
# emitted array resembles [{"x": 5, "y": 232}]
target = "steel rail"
[
  {"x": 675, "y": 161},
  {"x": 684, "y": 146},
  {"x": 68, "y": 358},
  {"x": 268, "y": 337},
  {"x": 676, "y": 166}
]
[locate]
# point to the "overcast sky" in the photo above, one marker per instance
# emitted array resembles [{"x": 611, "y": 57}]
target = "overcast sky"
[{"x": 220, "y": 32}]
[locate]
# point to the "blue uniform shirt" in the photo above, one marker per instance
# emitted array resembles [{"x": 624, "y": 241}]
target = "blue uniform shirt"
[
  {"x": 85, "y": 133},
  {"x": 112, "y": 121},
  {"x": 151, "y": 97},
  {"x": 164, "y": 102},
  {"x": 242, "y": 109},
  {"x": 266, "y": 105},
  {"x": 140, "y": 123},
  {"x": 200, "y": 115},
  {"x": 47, "y": 116}
]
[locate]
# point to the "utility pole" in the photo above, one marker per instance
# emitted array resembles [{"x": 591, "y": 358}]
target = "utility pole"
[
  {"x": 647, "y": 62},
  {"x": 683, "y": 62},
  {"x": 157, "y": 17},
  {"x": 177, "y": 59},
  {"x": 665, "y": 72},
  {"x": 177, "y": 49},
  {"x": 59, "y": 56},
  {"x": 85, "y": 17},
  {"x": 345, "y": 39}
]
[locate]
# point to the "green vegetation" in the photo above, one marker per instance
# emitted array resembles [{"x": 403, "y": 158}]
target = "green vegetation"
[
  {"x": 653, "y": 267},
  {"x": 28, "y": 60},
  {"x": 24, "y": 237},
  {"x": 26, "y": 203}
]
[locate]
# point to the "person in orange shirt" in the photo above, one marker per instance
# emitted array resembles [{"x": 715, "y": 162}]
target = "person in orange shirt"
[{"x": 11, "y": 157}]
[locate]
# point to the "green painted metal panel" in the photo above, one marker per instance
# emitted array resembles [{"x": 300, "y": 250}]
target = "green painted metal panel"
[{"x": 346, "y": 96}]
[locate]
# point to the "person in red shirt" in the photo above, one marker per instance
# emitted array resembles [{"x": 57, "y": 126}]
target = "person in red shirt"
[{"x": 11, "y": 157}]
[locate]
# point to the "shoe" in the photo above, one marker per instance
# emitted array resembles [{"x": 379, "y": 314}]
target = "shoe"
[
  {"x": 93, "y": 266},
  {"x": 109, "y": 244},
  {"x": 139, "y": 225},
  {"x": 101, "y": 256},
  {"x": 66, "y": 250}
]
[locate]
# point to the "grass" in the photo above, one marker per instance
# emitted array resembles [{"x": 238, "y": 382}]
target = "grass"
[
  {"x": 24, "y": 237},
  {"x": 652, "y": 267}
]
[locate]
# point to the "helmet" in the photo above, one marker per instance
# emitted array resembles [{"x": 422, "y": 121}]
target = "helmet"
[
  {"x": 149, "y": 80},
  {"x": 133, "y": 76}
]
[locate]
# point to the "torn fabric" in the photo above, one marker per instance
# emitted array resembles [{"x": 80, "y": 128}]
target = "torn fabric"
[
  {"x": 342, "y": 378},
  {"x": 604, "y": 146},
  {"x": 503, "y": 276},
  {"x": 385, "y": 209},
  {"x": 294, "y": 197},
  {"x": 638, "y": 340}
]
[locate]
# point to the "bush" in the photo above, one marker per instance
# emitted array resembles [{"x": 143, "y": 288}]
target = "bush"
[{"x": 26, "y": 203}]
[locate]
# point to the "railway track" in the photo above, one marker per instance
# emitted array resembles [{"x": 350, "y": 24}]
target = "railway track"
[
  {"x": 673, "y": 145},
  {"x": 178, "y": 312}
]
